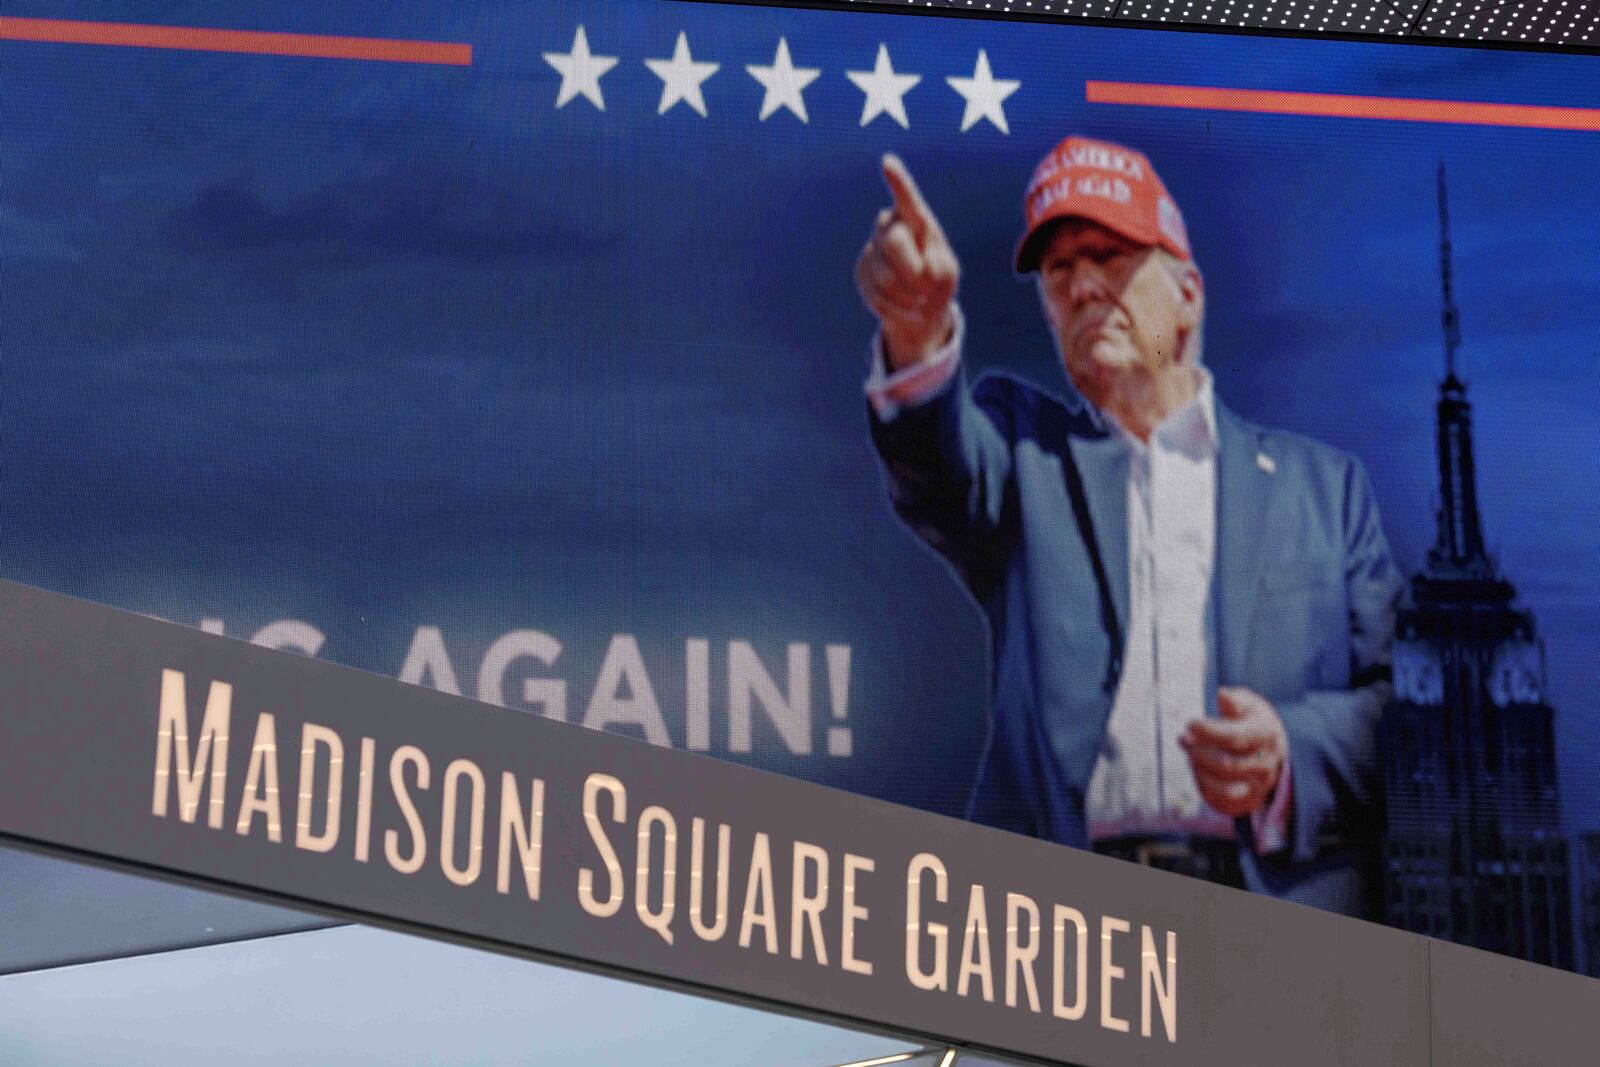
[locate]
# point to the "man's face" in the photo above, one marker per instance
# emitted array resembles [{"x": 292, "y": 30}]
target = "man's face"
[{"x": 1117, "y": 310}]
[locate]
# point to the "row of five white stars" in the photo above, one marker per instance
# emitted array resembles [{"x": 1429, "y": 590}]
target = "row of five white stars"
[{"x": 784, "y": 83}]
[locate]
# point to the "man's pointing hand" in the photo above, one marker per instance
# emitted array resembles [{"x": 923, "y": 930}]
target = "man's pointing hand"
[{"x": 907, "y": 273}]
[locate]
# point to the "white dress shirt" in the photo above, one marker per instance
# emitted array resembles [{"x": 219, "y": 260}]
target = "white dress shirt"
[{"x": 1142, "y": 782}]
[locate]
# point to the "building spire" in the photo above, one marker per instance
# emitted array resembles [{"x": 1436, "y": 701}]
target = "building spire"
[
  {"x": 1452, "y": 317},
  {"x": 1459, "y": 549}
]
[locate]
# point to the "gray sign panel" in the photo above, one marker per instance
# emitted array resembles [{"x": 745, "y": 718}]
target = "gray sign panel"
[
  {"x": 194, "y": 755},
  {"x": 1489, "y": 1010}
]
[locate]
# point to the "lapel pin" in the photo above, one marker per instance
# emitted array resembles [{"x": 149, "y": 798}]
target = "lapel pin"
[{"x": 1266, "y": 463}]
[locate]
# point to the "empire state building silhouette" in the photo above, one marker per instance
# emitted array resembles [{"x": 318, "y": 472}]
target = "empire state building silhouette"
[{"x": 1473, "y": 849}]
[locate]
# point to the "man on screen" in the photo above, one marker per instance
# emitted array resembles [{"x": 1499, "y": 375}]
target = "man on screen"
[{"x": 1190, "y": 615}]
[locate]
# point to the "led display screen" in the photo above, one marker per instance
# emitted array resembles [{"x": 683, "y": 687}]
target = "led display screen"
[{"x": 1175, "y": 445}]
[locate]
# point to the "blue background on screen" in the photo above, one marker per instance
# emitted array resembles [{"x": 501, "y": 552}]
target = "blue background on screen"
[{"x": 379, "y": 345}]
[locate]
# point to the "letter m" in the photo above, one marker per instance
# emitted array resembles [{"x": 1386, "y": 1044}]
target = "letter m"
[{"x": 211, "y": 746}]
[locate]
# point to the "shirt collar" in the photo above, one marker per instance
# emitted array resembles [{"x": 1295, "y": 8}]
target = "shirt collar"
[{"x": 1191, "y": 428}]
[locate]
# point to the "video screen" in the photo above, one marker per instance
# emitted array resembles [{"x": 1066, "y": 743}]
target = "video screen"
[{"x": 1178, "y": 446}]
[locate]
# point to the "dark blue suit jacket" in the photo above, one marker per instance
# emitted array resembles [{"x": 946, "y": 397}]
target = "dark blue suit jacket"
[{"x": 1303, "y": 596}]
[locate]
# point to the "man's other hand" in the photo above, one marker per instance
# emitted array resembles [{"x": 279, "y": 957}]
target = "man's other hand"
[
  {"x": 1237, "y": 759},
  {"x": 907, "y": 273}
]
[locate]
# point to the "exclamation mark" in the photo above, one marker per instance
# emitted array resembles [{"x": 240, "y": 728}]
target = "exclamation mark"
[{"x": 839, "y": 737}]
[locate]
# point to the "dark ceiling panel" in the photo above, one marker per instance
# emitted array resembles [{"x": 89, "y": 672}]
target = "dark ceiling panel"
[
  {"x": 1558, "y": 22},
  {"x": 1410, "y": 9},
  {"x": 1047, "y": 8},
  {"x": 1339, "y": 16},
  {"x": 1071, "y": 8},
  {"x": 1563, "y": 23}
]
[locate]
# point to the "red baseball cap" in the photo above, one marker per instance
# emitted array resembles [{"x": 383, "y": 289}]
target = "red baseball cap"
[{"x": 1105, "y": 183}]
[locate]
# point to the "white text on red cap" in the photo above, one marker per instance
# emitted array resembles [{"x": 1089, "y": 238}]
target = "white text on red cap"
[{"x": 1089, "y": 155}]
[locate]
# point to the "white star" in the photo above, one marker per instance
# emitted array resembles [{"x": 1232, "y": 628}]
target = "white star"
[
  {"x": 783, "y": 82},
  {"x": 984, "y": 94},
  {"x": 681, "y": 78},
  {"x": 580, "y": 71},
  {"x": 886, "y": 90}
]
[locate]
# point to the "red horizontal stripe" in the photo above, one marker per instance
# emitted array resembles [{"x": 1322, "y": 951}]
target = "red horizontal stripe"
[
  {"x": 191, "y": 38},
  {"x": 1272, "y": 102}
]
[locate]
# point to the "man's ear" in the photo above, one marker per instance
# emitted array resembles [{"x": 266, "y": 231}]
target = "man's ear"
[
  {"x": 1044, "y": 302},
  {"x": 1192, "y": 297}
]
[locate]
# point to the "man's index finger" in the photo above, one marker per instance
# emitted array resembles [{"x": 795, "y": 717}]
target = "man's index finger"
[{"x": 908, "y": 201}]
